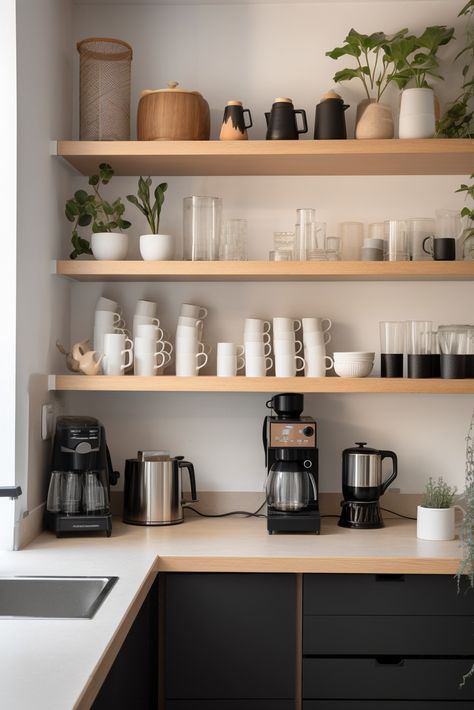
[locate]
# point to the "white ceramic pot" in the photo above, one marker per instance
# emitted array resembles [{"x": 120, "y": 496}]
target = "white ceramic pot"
[
  {"x": 109, "y": 245},
  {"x": 417, "y": 114},
  {"x": 157, "y": 247},
  {"x": 436, "y": 523}
]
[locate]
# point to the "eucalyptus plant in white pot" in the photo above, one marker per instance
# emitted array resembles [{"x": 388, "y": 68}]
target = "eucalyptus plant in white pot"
[{"x": 153, "y": 246}]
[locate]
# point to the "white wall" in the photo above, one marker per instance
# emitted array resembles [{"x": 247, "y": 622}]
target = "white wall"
[
  {"x": 44, "y": 113},
  {"x": 274, "y": 51}
]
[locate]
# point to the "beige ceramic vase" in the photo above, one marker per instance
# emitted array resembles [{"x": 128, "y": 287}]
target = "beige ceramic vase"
[
  {"x": 233, "y": 126},
  {"x": 373, "y": 120}
]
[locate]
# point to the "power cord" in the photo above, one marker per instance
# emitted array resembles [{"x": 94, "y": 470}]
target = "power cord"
[
  {"x": 245, "y": 513},
  {"x": 407, "y": 517}
]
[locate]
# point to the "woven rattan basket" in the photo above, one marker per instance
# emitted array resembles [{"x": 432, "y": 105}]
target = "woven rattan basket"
[{"x": 104, "y": 89}]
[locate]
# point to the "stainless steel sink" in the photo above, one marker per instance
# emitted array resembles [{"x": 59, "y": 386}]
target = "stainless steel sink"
[{"x": 52, "y": 597}]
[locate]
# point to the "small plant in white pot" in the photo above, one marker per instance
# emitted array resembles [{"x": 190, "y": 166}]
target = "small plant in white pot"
[
  {"x": 84, "y": 210},
  {"x": 435, "y": 515},
  {"x": 416, "y": 60},
  {"x": 153, "y": 246}
]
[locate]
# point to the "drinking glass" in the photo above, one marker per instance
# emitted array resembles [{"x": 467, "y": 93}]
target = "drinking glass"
[
  {"x": 71, "y": 492},
  {"x": 55, "y": 492},
  {"x": 233, "y": 244},
  {"x": 352, "y": 236},
  {"x": 396, "y": 240},
  {"x": 93, "y": 493},
  {"x": 418, "y": 228},
  {"x": 201, "y": 227},
  {"x": 392, "y": 348}
]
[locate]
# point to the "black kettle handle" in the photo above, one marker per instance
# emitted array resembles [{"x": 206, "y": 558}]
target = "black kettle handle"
[
  {"x": 246, "y": 110},
  {"x": 305, "y": 123},
  {"x": 392, "y": 477},
  {"x": 192, "y": 478}
]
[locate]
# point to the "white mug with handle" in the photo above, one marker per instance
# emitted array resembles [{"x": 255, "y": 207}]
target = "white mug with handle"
[{"x": 117, "y": 356}]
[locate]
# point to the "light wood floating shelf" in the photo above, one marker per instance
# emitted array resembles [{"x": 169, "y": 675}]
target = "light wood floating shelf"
[
  {"x": 266, "y": 270},
  {"x": 443, "y": 156},
  {"x": 205, "y": 383}
]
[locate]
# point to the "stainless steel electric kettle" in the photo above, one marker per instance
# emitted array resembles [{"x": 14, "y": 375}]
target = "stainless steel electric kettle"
[{"x": 153, "y": 489}]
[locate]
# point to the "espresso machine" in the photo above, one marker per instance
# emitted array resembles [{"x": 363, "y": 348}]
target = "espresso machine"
[
  {"x": 362, "y": 486},
  {"x": 291, "y": 459},
  {"x": 81, "y": 474}
]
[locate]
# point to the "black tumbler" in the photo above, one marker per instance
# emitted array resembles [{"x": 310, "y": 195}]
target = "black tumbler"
[
  {"x": 419, "y": 366},
  {"x": 453, "y": 367},
  {"x": 391, "y": 364}
]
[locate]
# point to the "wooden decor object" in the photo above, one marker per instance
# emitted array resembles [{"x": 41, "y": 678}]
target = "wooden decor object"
[{"x": 172, "y": 114}]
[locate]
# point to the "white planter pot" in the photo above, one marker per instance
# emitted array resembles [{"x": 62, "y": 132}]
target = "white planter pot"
[
  {"x": 109, "y": 246},
  {"x": 436, "y": 523},
  {"x": 417, "y": 114},
  {"x": 157, "y": 247}
]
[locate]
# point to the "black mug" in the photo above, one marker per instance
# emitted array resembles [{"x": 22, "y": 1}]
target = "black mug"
[
  {"x": 281, "y": 121},
  {"x": 330, "y": 122},
  {"x": 233, "y": 123},
  {"x": 442, "y": 248}
]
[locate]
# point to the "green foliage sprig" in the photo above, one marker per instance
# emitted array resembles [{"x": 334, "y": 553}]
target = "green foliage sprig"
[
  {"x": 466, "y": 567},
  {"x": 85, "y": 209},
  {"x": 468, "y": 212},
  {"x": 458, "y": 119},
  {"x": 374, "y": 63},
  {"x": 142, "y": 201},
  {"x": 438, "y": 494},
  {"x": 415, "y": 58}
]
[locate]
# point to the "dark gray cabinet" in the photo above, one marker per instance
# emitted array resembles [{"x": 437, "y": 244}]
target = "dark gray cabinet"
[
  {"x": 386, "y": 641},
  {"x": 229, "y": 641}
]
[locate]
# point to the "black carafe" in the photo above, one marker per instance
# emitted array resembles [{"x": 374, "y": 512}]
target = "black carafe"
[
  {"x": 330, "y": 122},
  {"x": 281, "y": 121}
]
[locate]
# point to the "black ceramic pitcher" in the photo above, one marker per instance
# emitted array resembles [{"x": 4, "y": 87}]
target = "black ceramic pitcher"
[
  {"x": 281, "y": 121},
  {"x": 330, "y": 122}
]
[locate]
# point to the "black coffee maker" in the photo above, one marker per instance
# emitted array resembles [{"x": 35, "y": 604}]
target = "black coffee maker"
[
  {"x": 81, "y": 474},
  {"x": 291, "y": 458}
]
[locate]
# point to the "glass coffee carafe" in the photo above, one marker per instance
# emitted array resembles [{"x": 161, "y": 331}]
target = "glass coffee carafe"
[
  {"x": 78, "y": 492},
  {"x": 290, "y": 486}
]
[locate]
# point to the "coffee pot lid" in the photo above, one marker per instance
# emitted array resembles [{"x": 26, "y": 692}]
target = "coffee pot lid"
[
  {"x": 362, "y": 448},
  {"x": 234, "y": 103},
  {"x": 282, "y": 99},
  {"x": 171, "y": 88},
  {"x": 331, "y": 95}
]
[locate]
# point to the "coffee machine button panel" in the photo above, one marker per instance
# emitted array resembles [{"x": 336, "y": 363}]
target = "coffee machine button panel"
[{"x": 297, "y": 434}]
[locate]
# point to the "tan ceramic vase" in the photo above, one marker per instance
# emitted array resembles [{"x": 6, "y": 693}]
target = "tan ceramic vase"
[
  {"x": 234, "y": 127},
  {"x": 373, "y": 120}
]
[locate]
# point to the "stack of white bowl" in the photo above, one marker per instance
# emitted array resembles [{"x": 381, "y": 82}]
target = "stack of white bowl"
[
  {"x": 286, "y": 347},
  {"x": 152, "y": 352},
  {"x": 189, "y": 348},
  {"x": 353, "y": 364},
  {"x": 107, "y": 320},
  {"x": 316, "y": 336},
  {"x": 257, "y": 347}
]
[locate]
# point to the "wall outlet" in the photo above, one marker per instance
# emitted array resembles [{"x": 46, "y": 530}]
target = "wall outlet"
[{"x": 47, "y": 421}]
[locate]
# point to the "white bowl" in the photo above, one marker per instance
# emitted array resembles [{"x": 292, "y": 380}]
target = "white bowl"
[
  {"x": 353, "y": 369},
  {"x": 355, "y": 355},
  {"x": 157, "y": 247},
  {"x": 109, "y": 245}
]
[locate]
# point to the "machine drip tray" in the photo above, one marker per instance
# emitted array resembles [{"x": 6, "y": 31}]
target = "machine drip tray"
[
  {"x": 361, "y": 514},
  {"x": 297, "y": 522}
]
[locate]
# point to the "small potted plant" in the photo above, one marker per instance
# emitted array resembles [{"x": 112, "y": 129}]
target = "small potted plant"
[
  {"x": 85, "y": 209},
  {"x": 435, "y": 515},
  {"x": 153, "y": 246},
  {"x": 374, "y": 68},
  {"x": 415, "y": 60}
]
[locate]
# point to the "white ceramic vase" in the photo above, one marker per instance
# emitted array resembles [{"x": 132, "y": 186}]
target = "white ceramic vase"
[
  {"x": 436, "y": 523},
  {"x": 417, "y": 114},
  {"x": 373, "y": 120},
  {"x": 157, "y": 247},
  {"x": 109, "y": 245}
]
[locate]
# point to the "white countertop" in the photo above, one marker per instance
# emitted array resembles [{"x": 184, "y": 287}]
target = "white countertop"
[{"x": 60, "y": 664}]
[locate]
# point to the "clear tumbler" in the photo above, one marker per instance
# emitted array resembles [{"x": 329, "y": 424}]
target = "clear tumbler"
[{"x": 201, "y": 228}]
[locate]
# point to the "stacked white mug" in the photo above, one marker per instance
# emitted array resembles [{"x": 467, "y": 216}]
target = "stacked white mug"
[
  {"x": 229, "y": 359},
  {"x": 152, "y": 352},
  {"x": 286, "y": 347},
  {"x": 257, "y": 347},
  {"x": 107, "y": 319},
  {"x": 145, "y": 314},
  {"x": 190, "y": 355},
  {"x": 315, "y": 338},
  {"x": 117, "y": 356}
]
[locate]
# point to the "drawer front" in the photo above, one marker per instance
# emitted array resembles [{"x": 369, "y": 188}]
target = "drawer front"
[
  {"x": 372, "y": 594},
  {"x": 230, "y": 705},
  {"x": 386, "y": 705},
  {"x": 371, "y": 679},
  {"x": 399, "y": 635}
]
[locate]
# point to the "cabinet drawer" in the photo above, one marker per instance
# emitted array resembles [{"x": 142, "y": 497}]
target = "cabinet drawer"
[
  {"x": 398, "y": 635},
  {"x": 386, "y": 679},
  {"x": 386, "y": 705},
  {"x": 372, "y": 594},
  {"x": 230, "y": 704}
]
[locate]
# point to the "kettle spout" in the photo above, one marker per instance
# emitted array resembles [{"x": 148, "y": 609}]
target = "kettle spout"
[{"x": 345, "y": 107}]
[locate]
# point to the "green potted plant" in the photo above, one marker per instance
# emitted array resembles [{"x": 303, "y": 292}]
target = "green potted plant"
[
  {"x": 153, "y": 246},
  {"x": 467, "y": 213},
  {"x": 415, "y": 59},
  {"x": 374, "y": 68},
  {"x": 103, "y": 217},
  {"x": 435, "y": 515},
  {"x": 458, "y": 119}
]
